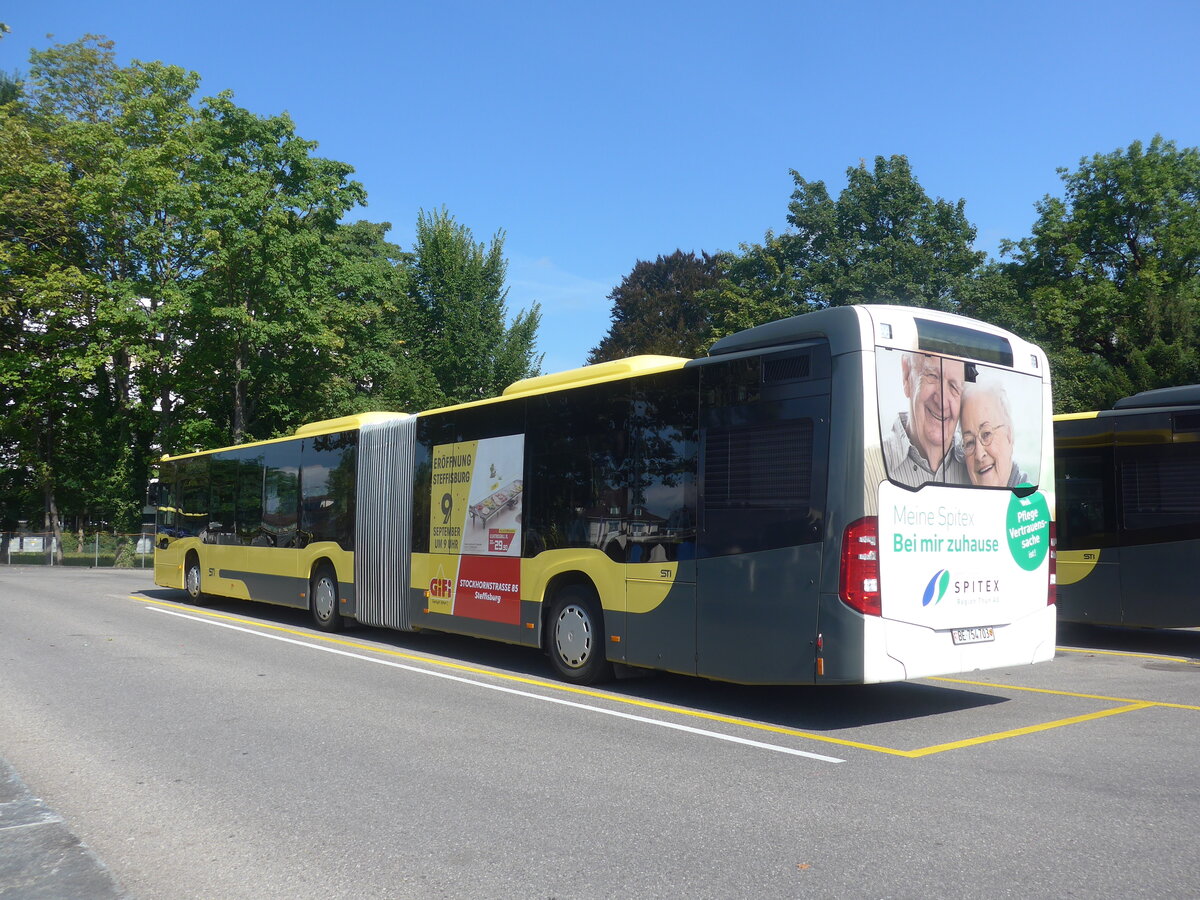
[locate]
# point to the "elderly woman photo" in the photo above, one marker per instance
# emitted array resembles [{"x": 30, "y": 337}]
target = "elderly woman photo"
[{"x": 988, "y": 437}]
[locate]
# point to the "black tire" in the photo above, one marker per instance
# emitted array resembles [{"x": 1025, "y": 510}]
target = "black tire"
[
  {"x": 191, "y": 579},
  {"x": 575, "y": 636},
  {"x": 323, "y": 599}
]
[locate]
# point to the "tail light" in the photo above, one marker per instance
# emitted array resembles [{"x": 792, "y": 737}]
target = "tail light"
[
  {"x": 1052, "y": 589},
  {"x": 859, "y": 588}
]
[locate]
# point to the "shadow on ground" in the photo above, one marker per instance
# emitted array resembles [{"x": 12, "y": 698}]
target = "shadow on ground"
[
  {"x": 804, "y": 707},
  {"x": 1181, "y": 642}
]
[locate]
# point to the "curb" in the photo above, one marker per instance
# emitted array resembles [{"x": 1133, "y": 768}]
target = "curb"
[{"x": 40, "y": 859}]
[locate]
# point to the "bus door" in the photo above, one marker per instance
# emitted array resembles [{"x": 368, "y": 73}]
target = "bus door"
[{"x": 762, "y": 482}]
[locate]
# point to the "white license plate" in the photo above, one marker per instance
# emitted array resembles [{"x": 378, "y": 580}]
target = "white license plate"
[{"x": 972, "y": 635}]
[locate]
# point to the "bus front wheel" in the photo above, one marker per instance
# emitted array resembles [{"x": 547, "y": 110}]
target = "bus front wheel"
[
  {"x": 575, "y": 637},
  {"x": 324, "y": 599},
  {"x": 191, "y": 579}
]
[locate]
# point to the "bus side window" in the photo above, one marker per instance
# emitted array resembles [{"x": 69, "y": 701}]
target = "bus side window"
[
  {"x": 327, "y": 488},
  {"x": 764, "y": 459},
  {"x": 663, "y": 502},
  {"x": 281, "y": 494},
  {"x": 193, "y": 518},
  {"x": 1084, "y": 491},
  {"x": 1160, "y": 492},
  {"x": 580, "y": 466},
  {"x": 250, "y": 495}
]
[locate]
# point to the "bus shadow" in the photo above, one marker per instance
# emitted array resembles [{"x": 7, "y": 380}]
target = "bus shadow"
[
  {"x": 808, "y": 707},
  {"x": 802, "y": 707},
  {"x": 1183, "y": 642}
]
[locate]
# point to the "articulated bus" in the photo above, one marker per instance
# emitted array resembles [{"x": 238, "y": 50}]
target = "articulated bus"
[
  {"x": 1129, "y": 511},
  {"x": 766, "y": 514}
]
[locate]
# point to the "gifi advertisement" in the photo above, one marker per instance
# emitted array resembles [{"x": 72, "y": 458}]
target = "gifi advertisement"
[{"x": 475, "y": 512}]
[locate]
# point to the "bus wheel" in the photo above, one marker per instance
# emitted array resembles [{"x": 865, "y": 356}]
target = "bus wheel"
[
  {"x": 575, "y": 638},
  {"x": 191, "y": 579},
  {"x": 323, "y": 594}
]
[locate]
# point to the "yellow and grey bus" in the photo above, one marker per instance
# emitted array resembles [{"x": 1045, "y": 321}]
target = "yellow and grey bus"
[
  {"x": 1129, "y": 510},
  {"x": 860, "y": 494}
]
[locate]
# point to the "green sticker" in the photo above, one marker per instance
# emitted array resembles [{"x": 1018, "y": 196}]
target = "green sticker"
[{"x": 1028, "y": 530}]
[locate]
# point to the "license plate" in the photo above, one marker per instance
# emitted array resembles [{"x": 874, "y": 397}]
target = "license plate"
[{"x": 972, "y": 635}]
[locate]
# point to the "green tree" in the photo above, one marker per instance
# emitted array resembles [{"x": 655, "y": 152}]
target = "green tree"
[
  {"x": 657, "y": 309},
  {"x": 1109, "y": 281},
  {"x": 378, "y": 365},
  {"x": 262, "y": 311},
  {"x": 759, "y": 284},
  {"x": 883, "y": 240},
  {"x": 10, "y": 87},
  {"x": 174, "y": 274},
  {"x": 43, "y": 297},
  {"x": 458, "y": 296}
]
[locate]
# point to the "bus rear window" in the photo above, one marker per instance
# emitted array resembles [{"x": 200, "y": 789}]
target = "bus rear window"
[
  {"x": 946, "y": 421},
  {"x": 955, "y": 340}
]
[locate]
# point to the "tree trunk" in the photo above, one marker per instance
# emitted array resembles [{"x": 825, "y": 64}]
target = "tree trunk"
[
  {"x": 52, "y": 523},
  {"x": 239, "y": 398}
]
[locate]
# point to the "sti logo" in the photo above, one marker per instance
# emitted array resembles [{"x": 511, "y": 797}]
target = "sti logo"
[{"x": 936, "y": 589}]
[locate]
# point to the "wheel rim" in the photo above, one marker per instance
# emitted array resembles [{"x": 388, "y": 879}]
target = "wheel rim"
[
  {"x": 193, "y": 580},
  {"x": 573, "y": 636},
  {"x": 324, "y": 599}
]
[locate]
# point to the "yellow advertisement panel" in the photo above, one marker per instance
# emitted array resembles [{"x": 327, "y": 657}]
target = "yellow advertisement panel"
[{"x": 453, "y": 465}]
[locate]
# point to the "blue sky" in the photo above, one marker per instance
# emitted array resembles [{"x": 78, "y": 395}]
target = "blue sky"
[{"x": 596, "y": 135}]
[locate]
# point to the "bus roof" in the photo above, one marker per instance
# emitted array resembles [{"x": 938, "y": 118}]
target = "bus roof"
[
  {"x": 1182, "y": 395},
  {"x": 863, "y": 325},
  {"x": 312, "y": 429},
  {"x": 594, "y": 374}
]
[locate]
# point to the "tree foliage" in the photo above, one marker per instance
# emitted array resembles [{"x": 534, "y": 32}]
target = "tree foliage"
[
  {"x": 457, "y": 290},
  {"x": 658, "y": 309},
  {"x": 175, "y": 272},
  {"x": 1109, "y": 281},
  {"x": 882, "y": 240}
]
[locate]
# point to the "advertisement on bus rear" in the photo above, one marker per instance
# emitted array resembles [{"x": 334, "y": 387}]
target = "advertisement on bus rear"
[
  {"x": 948, "y": 421},
  {"x": 950, "y": 558}
]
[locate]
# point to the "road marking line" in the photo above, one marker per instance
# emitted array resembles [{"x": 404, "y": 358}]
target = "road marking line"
[
  {"x": 211, "y": 620},
  {"x": 1033, "y": 690},
  {"x": 1029, "y": 729},
  {"x": 1181, "y": 659},
  {"x": 1128, "y": 705}
]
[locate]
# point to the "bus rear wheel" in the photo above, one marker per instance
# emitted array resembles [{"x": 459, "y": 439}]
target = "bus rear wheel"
[
  {"x": 323, "y": 599},
  {"x": 575, "y": 636}
]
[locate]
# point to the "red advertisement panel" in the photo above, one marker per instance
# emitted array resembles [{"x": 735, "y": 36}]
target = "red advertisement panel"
[{"x": 489, "y": 587}]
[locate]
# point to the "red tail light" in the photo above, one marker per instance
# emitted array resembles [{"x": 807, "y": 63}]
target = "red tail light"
[
  {"x": 1052, "y": 589},
  {"x": 859, "y": 587}
]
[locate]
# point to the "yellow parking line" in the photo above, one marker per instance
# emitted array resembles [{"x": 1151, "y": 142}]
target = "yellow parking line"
[
  {"x": 1029, "y": 729},
  {"x": 1128, "y": 705},
  {"x": 1033, "y": 690},
  {"x": 1181, "y": 659}
]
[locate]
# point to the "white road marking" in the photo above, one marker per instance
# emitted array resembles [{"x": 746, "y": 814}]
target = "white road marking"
[{"x": 505, "y": 690}]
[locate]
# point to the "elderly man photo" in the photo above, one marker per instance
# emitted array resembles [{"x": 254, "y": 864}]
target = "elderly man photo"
[{"x": 921, "y": 446}]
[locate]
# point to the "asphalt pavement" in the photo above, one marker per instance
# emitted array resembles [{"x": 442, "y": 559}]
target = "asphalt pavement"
[{"x": 39, "y": 856}]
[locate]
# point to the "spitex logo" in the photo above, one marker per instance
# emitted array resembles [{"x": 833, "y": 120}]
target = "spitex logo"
[{"x": 936, "y": 589}]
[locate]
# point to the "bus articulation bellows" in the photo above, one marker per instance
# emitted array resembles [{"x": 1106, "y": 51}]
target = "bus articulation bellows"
[{"x": 860, "y": 494}]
